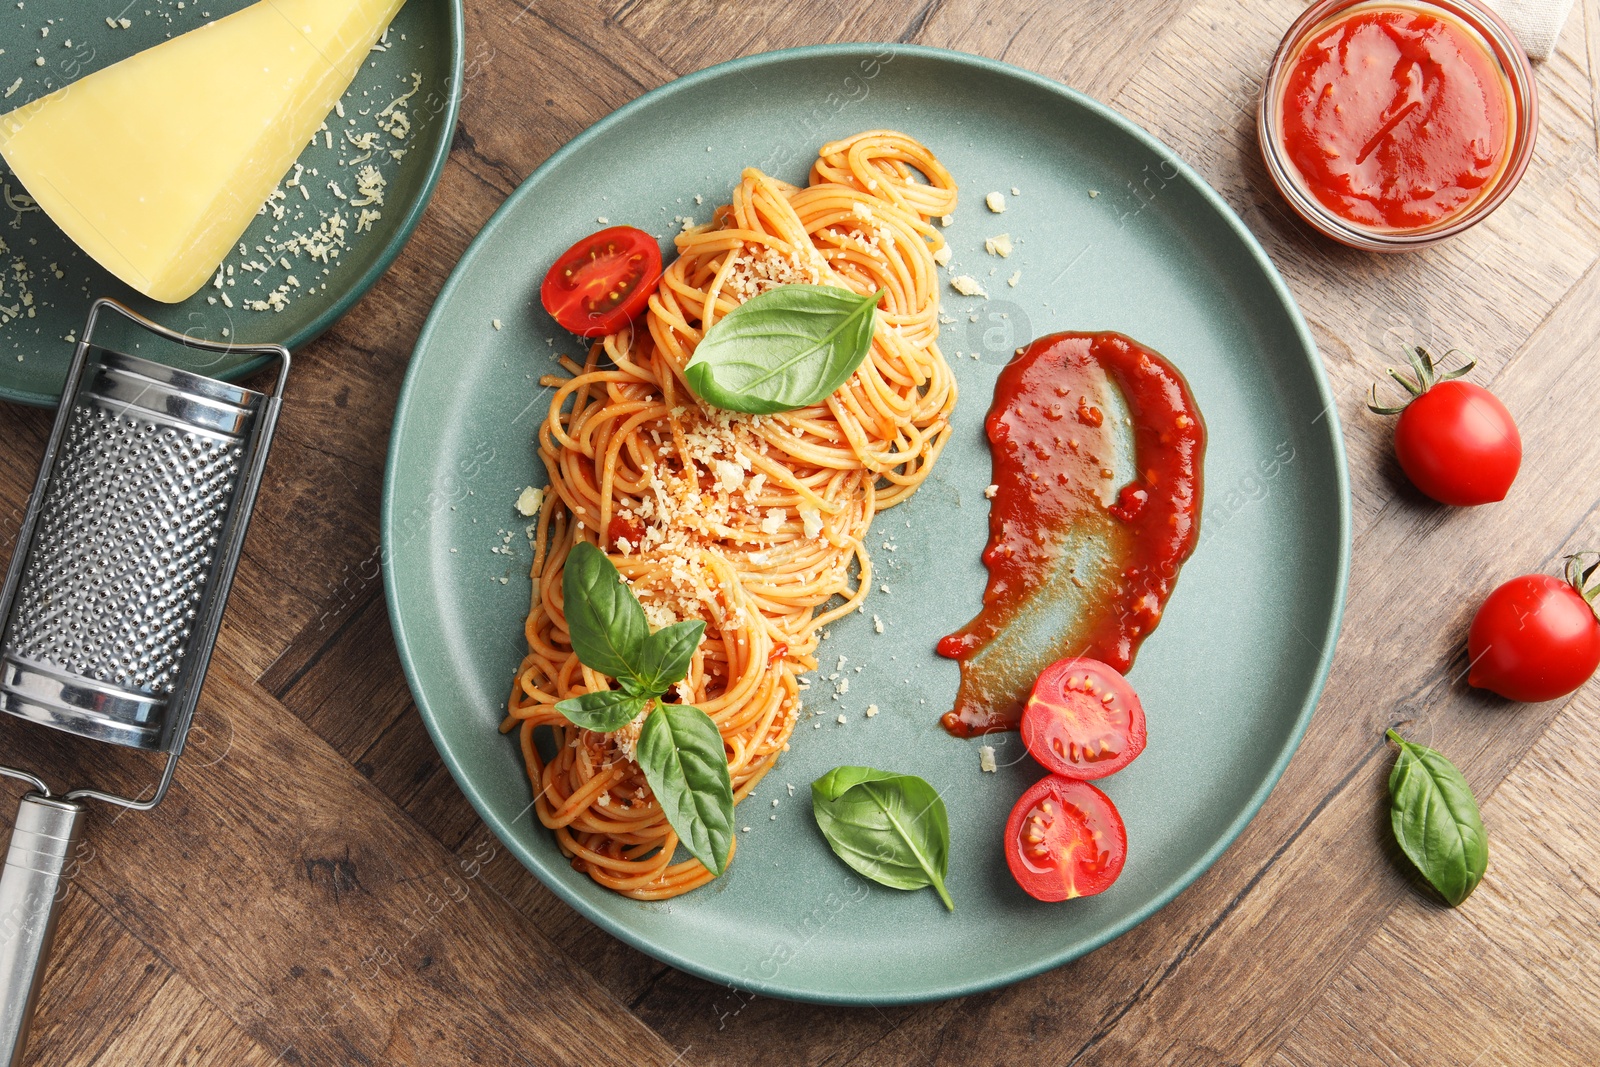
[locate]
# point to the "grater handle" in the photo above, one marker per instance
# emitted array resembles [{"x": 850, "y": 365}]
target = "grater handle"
[{"x": 37, "y": 869}]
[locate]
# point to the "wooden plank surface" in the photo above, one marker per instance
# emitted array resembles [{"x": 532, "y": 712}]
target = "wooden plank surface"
[{"x": 317, "y": 891}]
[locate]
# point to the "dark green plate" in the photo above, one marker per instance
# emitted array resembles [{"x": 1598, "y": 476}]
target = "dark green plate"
[
  {"x": 1228, "y": 681},
  {"x": 425, "y": 40}
]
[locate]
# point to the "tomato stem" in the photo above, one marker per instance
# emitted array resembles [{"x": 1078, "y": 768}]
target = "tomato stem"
[
  {"x": 1427, "y": 376},
  {"x": 1578, "y": 577}
]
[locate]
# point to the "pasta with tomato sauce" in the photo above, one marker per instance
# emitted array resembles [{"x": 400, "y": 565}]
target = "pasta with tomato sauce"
[{"x": 752, "y": 523}]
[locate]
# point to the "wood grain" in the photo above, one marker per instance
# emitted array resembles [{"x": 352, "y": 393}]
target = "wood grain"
[
  {"x": 1510, "y": 980},
  {"x": 317, "y": 891},
  {"x": 339, "y": 941}
]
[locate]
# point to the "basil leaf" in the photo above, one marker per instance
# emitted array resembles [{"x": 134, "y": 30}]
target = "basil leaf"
[
  {"x": 786, "y": 348},
  {"x": 603, "y": 712},
  {"x": 664, "y": 657},
  {"x": 893, "y": 828},
  {"x": 681, "y": 754},
  {"x": 604, "y": 619},
  {"x": 1436, "y": 820}
]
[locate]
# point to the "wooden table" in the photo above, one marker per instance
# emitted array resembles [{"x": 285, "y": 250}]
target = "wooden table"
[{"x": 317, "y": 891}]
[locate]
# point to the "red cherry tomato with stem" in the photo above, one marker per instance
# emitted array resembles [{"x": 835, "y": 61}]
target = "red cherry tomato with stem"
[
  {"x": 1455, "y": 440},
  {"x": 1083, "y": 719},
  {"x": 1065, "y": 839},
  {"x": 603, "y": 282},
  {"x": 1536, "y": 637}
]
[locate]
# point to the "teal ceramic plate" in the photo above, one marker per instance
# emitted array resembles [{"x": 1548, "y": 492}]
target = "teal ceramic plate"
[
  {"x": 47, "y": 283},
  {"x": 1228, "y": 681}
]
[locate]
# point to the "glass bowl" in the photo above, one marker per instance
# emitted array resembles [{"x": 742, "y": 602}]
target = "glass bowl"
[{"x": 1498, "y": 41}]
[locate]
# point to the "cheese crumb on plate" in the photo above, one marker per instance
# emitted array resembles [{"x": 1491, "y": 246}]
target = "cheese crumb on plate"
[{"x": 530, "y": 501}]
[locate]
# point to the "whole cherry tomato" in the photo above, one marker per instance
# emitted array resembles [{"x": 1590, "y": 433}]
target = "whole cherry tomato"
[
  {"x": 1455, "y": 440},
  {"x": 1536, "y": 637}
]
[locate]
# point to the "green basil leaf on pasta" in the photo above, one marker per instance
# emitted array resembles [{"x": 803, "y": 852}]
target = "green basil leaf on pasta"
[
  {"x": 603, "y": 712},
  {"x": 892, "y": 828},
  {"x": 604, "y": 619},
  {"x": 1436, "y": 821},
  {"x": 680, "y": 751},
  {"x": 786, "y": 348},
  {"x": 665, "y": 655}
]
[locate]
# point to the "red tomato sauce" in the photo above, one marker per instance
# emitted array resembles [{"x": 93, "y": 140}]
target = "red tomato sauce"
[
  {"x": 625, "y": 529},
  {"x": 1397, "y": 119},
  {"x": 1078, "y": 566}
]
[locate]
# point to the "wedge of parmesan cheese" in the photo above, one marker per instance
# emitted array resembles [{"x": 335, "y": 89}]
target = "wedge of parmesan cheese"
[{"x": 156, "y": 165}]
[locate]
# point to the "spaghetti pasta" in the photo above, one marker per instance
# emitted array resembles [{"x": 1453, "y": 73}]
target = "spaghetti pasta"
[{"x": 751, "y": 523}]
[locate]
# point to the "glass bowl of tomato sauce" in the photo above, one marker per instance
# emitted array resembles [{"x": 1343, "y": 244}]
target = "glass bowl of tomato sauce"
[{"x": 1390, "y": 126}]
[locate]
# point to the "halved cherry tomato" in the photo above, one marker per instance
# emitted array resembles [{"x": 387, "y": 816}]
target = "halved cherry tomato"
[
  {"x": 1064, "y": 839},
  {"x": 1535, "y": 637},
  {"x": 600, "y": 284},
  {"x": 1083, "y": 719}
]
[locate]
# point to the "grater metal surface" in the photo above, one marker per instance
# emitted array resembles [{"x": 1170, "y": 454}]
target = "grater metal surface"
[
  {"x": 113, "y": 588},
  {"x": 128, "y": 530}
]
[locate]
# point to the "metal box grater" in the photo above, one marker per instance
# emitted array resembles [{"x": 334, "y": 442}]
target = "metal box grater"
[
  {"x": 112, "y": 603},
  {"x": 124, "y": 552}
]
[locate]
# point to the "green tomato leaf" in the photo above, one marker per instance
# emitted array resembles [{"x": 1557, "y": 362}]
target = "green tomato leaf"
[
  {"x": 892, "y": 828},
  {"x": 603, "y": 712},
  {"x": 1436, "y": 820},
  {"x": 664, "y": 657},
  {"x": 604, "y": 618},
  {"x": 786, "y": 348},
  {"x": 681, "y": 754}
]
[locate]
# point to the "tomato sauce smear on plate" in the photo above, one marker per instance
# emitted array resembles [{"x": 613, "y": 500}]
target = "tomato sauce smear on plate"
[{"x": 1098, "y": 449}]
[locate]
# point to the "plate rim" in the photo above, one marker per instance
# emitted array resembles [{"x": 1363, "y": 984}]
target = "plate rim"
[
  {"x": 933, "y": 991},
  {"x": 397, "y": 242}
]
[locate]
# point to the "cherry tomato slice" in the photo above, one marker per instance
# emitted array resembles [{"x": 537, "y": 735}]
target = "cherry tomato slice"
[
  {"x": 1064, "y": 839},
  {"x": 1534, "y": 638},
  {"x": 1083, "y": 719},
  {"x": 1459, "y": 444},
  {"x": 600, "y": 284}
]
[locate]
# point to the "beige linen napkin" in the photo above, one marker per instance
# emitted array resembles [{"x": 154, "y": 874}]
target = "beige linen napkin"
[{"x": 1537, "y": 23}]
